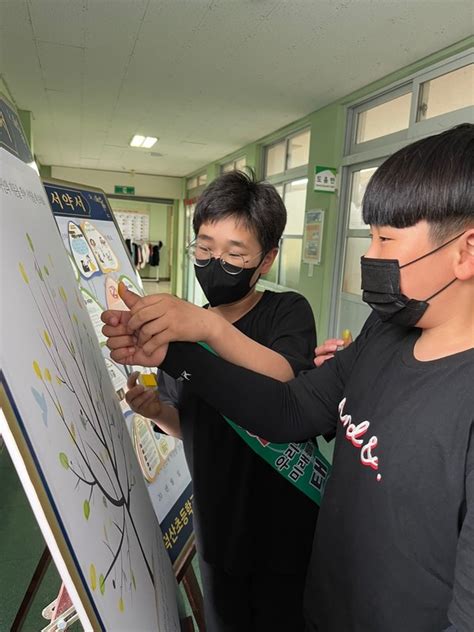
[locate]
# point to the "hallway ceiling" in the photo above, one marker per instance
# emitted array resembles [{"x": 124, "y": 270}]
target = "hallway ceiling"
[{"x": 204, "y": 76}]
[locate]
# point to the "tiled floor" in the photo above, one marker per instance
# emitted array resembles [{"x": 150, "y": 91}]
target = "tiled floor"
[{"x": 151, "y": 287}]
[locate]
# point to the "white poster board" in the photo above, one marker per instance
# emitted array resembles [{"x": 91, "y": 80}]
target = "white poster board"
[{"x": 64, "y": 427}]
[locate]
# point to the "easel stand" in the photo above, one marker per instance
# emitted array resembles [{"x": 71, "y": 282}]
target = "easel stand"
[
  {"x": 31, "y": 591},
  {"x": 185, "y": 575}
]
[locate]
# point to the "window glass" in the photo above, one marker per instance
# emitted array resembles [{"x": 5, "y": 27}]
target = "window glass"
[
  {"x": 295, "y": 202},
  {"x": 386, "y": 118},
  {"x": 290, "y": 255},
  {"x": 298, "y": 150},
  {"x": 360, "y": 180},
  {"x": 240, "y": 164},
  {"x": 275, "y": 159},
  {"x": 452, "y": 91},
  {"x": 202, "y": 179}
]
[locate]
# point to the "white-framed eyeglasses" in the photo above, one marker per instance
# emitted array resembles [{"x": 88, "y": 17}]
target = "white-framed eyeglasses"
[{"x": 232, "y": 263}]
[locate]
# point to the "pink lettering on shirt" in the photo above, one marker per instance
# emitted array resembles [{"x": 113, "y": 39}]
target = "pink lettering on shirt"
[{"x": 355, "y": 433}]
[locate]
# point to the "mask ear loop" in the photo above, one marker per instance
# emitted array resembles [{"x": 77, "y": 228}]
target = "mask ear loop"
[
  {"x": 259, "y": 275},
  {"x": 441, "y": 290},
  {"x": 428, "y": 254}
]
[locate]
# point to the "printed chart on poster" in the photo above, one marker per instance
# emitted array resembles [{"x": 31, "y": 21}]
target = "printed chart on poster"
[
  {"x": 100, "y": 260},
  {"x": 63, "y": 425}
]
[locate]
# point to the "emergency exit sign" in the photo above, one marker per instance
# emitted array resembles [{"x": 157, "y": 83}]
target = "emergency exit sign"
[{"x": 124, "y": 190}]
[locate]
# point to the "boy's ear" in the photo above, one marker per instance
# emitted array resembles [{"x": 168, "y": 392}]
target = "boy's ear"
[
  {"x": 268, "y": 260},
  {"x": 464, "y": 266}
]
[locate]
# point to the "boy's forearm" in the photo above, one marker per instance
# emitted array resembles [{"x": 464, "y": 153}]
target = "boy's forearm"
[
  {"x": 168, "y": 421},
  {"x": 235, "y": 347},
  {"x": 267, "y": 407}
]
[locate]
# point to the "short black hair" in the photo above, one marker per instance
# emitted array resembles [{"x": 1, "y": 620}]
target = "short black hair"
[
  {"x": 256, "y": 204},
  {"x": 431, "y": 179}
]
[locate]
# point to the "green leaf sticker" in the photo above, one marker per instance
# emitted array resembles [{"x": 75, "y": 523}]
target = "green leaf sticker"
[
  {"x": 93, "y": 577},
  {"x": 87, "y": 509},
  {"x": 37, "y": 370},
  {"x": 23, "y": 273},
  {"x": 30, "y": 241},
  {"x": 102, "y": 584},
  {"x": 64, "y": 460}
]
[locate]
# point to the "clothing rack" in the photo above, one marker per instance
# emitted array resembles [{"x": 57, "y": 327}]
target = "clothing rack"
[{"x": 156, "y": 278}]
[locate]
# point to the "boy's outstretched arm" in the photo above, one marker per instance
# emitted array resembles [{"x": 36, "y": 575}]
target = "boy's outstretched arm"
[
  {"x": 161, "y": 318},
  {"x": 461, "y": 610},
  {"x": 280, "y": 412}
]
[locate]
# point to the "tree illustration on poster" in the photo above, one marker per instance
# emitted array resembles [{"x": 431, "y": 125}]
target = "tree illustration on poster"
[
  {"x": 100, "y": 472},
  {"x": 67, "y": 411}
]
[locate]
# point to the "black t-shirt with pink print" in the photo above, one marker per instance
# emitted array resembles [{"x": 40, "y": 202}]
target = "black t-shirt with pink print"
[{"x": 394, "y": 546}]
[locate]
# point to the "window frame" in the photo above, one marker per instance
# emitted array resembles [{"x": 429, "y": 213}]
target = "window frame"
[
  {"x": 283, "y": 179},
  {"x": 286, "y": 174},
  {"x": 364, "y": 155},
  {"x": 232, "y": 162},
  {"x": 415, "y": 129}
]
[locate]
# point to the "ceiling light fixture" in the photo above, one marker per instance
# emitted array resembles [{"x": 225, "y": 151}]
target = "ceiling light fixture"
[
  {"x": 149, "y": 142},
  {"x": 145, "y": 142}
]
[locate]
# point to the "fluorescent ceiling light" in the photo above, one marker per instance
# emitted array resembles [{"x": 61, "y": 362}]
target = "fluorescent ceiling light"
[
  {"x": 137, "y": 141},
  {"x": 149, "y": 142},
  {"x": 145, "y": 142}
]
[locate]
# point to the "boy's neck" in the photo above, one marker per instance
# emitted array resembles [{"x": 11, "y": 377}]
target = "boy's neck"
[
  {"x": 449, "y": 337},
  {"x": 232, "y": 312}
]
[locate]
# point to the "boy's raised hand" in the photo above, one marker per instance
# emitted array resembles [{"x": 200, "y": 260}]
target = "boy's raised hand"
[
  {"x": 122, "y": 341},
  {"x": 144, "y": 401},
  {"x": 161, "y": 318}
]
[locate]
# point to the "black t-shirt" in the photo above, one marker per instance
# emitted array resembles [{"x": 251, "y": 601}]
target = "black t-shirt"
[
  {"x": 247, "y": 515},
  {"x": 394, "y": 548}
]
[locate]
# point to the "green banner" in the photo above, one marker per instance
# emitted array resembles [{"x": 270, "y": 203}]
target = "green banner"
[{"x": 301, "y": 464}]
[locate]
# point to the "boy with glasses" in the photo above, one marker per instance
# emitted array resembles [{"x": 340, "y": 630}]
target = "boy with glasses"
[{"x": 254, "y": 529}]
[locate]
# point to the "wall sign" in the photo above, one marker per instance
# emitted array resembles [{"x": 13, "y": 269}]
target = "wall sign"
[
  {"x": 124, "y": 190},
  {"x": 325, "y": 179}
]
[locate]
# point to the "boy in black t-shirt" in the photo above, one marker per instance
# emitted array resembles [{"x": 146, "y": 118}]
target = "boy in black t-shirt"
[
  {"x": 394, "y": 548},
  {"x": 254, "y": 529}
]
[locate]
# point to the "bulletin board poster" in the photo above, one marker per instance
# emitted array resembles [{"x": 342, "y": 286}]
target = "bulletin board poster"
[
  {"x": 12, "y": 137},
  {"x": 313, "y": 236},
  {"x": 63, "y": 426},
  {"x": 100, "y": 260}
]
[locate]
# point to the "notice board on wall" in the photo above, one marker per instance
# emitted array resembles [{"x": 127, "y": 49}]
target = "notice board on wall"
[{"x": 63, "y": 426}]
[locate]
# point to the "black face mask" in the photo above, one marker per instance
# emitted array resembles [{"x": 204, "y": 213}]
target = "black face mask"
[
  {"x": 381, "y": 289},
  {"x": 222, "y": 288}
]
